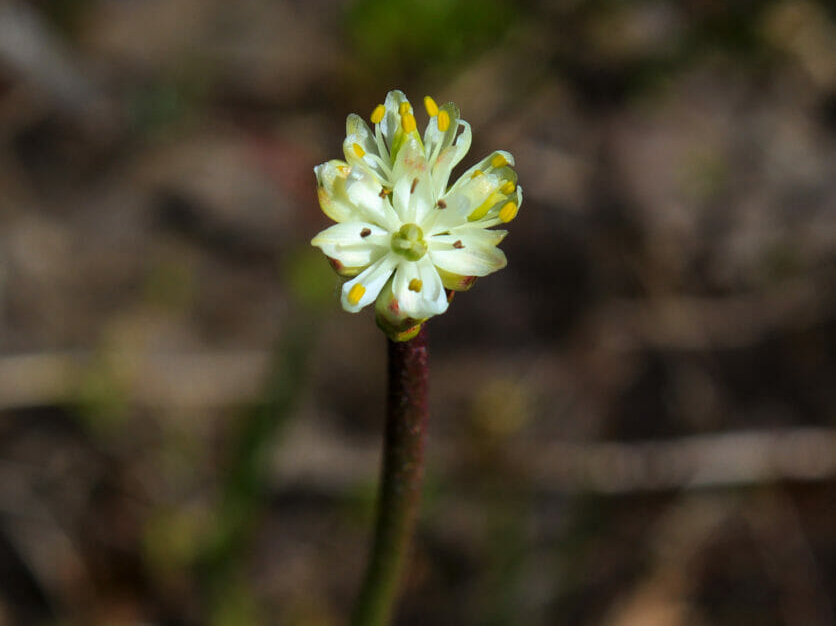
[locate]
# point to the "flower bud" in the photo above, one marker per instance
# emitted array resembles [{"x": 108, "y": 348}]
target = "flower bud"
[{"x": 397, "y": 325}]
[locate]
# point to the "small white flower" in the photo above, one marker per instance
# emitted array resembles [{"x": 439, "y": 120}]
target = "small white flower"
[{"x": 401, "y": 233}]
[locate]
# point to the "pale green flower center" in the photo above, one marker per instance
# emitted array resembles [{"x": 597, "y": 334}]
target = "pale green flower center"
[{"x": 409, "y": 242}]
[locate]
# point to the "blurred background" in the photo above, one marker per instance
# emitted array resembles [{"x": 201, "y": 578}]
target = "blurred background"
[{"x": 634, "y": 424}]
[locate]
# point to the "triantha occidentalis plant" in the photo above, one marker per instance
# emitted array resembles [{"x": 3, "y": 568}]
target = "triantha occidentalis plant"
[
  {"x": 403, "y": 235},
  {"x": 407, "y": 239}
]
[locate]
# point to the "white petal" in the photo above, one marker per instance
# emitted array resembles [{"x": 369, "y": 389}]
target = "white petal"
[
  {"x": 361, "y": 148},
  {"x": 467, "y": 195},
  {"x": 430, "y": 299},
  {"x": 485, "y": 166},
  {"x": 412, "y": 199},
  {"x": 468, "y": 237},
  {"x": 449, "y": 156},
  {"x": 364, "y": 193},
  {"x": 478, "y": 255},
  {"x": 391, "y": 121},
  {"x": 372, "y": 280},
  {"x": 410, "y": 161},
  {"x": 355, "y": 126},
  {"x": 421, "y": 199},
  {"x": 435, "y": 139},
  {"x": 331, "y": 180},
  {"x": 400, "y": 200},
  {"x": 492, "y": 216},
  {"x": 345, "y": 243}
]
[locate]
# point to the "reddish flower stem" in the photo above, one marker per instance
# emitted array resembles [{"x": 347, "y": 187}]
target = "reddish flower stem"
[{"x": 400, "y": 486}]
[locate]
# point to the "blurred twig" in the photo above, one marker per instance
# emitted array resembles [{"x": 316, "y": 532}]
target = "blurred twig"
[
  {"x": 228, "y": 378},
  {"x": 700, "y": 461}
]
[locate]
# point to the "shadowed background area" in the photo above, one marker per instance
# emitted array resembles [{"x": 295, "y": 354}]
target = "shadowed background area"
[{"x": 633, "y": 424}]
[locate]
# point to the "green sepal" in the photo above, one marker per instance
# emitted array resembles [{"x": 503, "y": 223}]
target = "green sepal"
[
  {"x": 391, "y": 320},
  {"x": 342, "y": 270},
  {"x": 455, "y": 282}
]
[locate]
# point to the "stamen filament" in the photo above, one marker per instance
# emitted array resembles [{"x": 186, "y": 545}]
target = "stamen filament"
[
  {"x": 383, "y": 164},
  {"x": 379, "y": 140}
]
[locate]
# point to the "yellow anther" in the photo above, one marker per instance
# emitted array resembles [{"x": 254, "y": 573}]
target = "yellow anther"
[
  {"x": 443, "y": 121},
  {"x": 415, "y": 285},
  {"x": 499, "y": 161},
  {"x": 408, "y": 122},
  {"x": 404, "y": 108},
  {"x": 508, "y": 187},
  {"x": 358, "y": 150},
  {"x": 431, "y": 106},
  {"x": 355, "y": 293},
  {"x": 344, "y": 169},
  {"x": 508, "y": 212},
  {"x": 378, "y": 113},
  {"x": 476, "y": 173}
]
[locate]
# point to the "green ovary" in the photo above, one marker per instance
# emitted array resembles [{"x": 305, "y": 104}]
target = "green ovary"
[{"x": 409, "y": 242}]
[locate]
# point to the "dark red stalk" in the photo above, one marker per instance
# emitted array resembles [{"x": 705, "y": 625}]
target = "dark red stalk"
[{"x": 400, "y": 486}]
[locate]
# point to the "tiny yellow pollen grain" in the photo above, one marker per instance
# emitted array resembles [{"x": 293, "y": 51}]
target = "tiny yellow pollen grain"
[
  {"x": 358, "y": 150},
  {"x": 476, "y": 173},
  {"x": 508, "y": 187},
  {"x": 378, "y": 113},
  {"x": 404, "y": 107},
  {"x": 415, "y": 285},
  {"x": 408, "y": 123},
  {"x": 443, "y": 121},
  {"x": 499, "y": 161},
  {"x": 431, "y": 106},
  {"x": 355, "y": 293},
  {"x": 508, "y": 212}
]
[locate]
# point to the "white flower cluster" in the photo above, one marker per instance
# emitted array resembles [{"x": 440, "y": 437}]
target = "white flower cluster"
[{"x": 402, "y": 235}]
